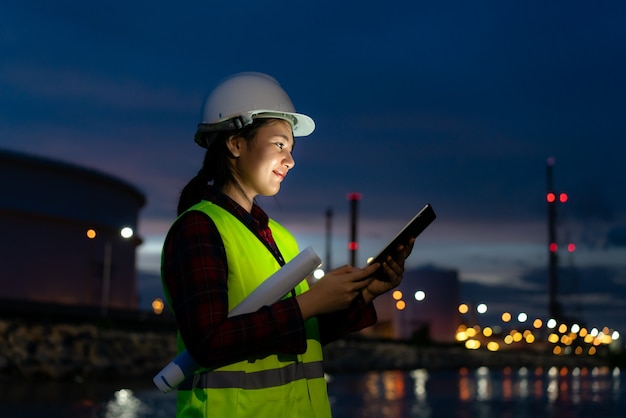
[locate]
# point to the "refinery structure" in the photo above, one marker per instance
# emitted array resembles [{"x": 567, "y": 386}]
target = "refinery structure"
[{"x": 68, "y": 234}]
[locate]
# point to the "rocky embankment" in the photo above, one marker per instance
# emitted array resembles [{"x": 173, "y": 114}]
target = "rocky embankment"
[{"x": 73, "y": 349}]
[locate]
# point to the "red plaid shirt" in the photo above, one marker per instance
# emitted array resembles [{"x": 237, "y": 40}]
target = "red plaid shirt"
[{"x": 195, "y": 273}]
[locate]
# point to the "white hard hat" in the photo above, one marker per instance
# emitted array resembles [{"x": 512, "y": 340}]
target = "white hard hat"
[{"x": 243, "y": 97}]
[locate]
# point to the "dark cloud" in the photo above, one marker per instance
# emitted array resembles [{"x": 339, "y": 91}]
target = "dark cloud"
[{"x": 617, "y": 236}]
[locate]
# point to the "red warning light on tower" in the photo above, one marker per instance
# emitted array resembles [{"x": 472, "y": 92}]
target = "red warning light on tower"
[
  {"x": 571, "y": 247},
  {"x": 551, "y": 197},
  {"x": 553, "y": 247}
]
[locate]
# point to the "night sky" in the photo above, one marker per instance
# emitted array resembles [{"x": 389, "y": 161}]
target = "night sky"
[{"x": 458, "y": 104}]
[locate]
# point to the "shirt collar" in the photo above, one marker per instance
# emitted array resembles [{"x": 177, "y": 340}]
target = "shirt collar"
[{"x": 256, "y": 214}]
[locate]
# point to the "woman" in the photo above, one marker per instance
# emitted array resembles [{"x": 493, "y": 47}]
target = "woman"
[{"x": 223, "y": 245}]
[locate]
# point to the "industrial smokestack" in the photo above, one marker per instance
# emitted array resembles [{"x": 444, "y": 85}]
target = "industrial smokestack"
[{"x": 353, "y": 243}]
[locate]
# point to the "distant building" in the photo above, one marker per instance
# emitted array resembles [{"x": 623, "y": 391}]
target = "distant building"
[
  {"x": 434, "y": 316},
  {"x": 46, "y": 210}
]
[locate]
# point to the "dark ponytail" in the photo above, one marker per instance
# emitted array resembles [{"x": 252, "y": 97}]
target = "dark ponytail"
[
  {"x": 216, "y": 166},
  {"x": 192, "y": 192}
]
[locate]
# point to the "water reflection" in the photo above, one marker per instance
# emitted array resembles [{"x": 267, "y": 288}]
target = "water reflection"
[
  {"x": 471, "y": 393},
  {"x": 522, "y": 392},
  {"x": 124, "y": 405}
]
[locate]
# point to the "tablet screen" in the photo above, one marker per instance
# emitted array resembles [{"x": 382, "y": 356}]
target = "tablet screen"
[{"x": 412, "y": 229}]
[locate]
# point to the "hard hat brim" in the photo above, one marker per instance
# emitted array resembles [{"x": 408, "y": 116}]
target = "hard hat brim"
[{"x": 301, "y": 125}]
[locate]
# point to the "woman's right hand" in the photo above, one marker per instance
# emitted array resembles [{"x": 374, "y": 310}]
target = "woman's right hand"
[{"x": 336, "y": 290}]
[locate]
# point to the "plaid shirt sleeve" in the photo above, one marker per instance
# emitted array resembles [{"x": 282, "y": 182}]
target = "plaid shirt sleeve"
[
  {"x": 341, "y": 323},
  {"x": 195, "y": 273}
]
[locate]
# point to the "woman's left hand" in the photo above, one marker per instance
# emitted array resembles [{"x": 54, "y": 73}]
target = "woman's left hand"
[{"x": 390, "y": 273}]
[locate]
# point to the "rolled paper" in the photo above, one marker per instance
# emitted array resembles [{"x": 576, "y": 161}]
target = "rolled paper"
[{"x": 270, "y": 291}]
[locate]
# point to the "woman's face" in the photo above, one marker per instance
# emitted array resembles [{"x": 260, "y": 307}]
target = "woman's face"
[{"x": 263, "y": 163}]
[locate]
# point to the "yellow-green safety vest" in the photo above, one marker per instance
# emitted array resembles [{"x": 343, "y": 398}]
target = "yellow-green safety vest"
[{"x": 275, "y": 386}]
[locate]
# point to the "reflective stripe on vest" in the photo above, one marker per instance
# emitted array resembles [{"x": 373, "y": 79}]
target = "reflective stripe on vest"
[{"x": 254, "y": 380}]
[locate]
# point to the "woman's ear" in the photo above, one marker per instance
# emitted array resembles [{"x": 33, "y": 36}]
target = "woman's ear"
[{"x": 234, "y": 143}]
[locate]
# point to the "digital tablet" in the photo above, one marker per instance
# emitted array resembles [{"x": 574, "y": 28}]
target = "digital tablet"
[{"x": 412, "y": 229}]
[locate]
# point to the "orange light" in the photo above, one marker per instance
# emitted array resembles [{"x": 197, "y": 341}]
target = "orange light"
[
  {"x": 400, "y": 305},
  {"x": 397, "y": 295},
  {"x": 493, "y": 346},
  {"x": 91, "y": 234},
  {"x": 157, "y": 306}
]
